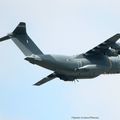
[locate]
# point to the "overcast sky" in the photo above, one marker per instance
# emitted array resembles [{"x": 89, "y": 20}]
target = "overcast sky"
[{"x": 57, "y": 27}]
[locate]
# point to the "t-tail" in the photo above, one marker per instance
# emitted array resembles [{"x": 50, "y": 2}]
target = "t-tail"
[{"x": 20, "y": 37}]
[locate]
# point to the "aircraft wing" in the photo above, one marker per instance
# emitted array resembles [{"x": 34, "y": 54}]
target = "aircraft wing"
[
  {"x": 103, "y": 47},
  {"x": 46, "y": 79}
]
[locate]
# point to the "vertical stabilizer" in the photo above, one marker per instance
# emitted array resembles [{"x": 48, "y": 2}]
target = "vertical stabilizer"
[{"x": 23, "y": 41}]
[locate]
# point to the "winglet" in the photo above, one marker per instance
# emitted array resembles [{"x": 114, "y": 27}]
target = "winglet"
[{"x": 20, "y": 29}]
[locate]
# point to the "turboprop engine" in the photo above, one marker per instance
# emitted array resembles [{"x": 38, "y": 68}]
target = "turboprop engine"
[
  {"x": 114, "y": 50},
  {"x": 116, "y": 46}
]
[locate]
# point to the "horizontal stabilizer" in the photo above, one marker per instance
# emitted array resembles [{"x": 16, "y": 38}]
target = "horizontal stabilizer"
[
  {"x": 46, "y": 79},
  {"x": 5, "y": 38}
]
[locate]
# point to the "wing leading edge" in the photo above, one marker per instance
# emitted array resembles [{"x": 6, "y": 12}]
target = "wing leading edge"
[{"x": 103, "y": 47}]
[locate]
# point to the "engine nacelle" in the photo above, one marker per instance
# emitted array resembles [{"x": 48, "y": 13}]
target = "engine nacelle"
[
  {"x": 116, "y": 46},
  {"x": 112, "y": 52}
]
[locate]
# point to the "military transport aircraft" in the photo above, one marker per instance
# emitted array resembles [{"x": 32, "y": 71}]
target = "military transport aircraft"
[{"x": 102, "y": 59}]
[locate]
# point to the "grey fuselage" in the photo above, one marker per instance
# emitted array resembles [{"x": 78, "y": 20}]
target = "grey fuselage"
[
  {"x": 102, "y": 59},
  {"x": 69, "y": 68}
]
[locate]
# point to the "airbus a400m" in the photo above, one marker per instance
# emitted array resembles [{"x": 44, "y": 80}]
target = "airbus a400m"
[{"x": 102, "y": 59}]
